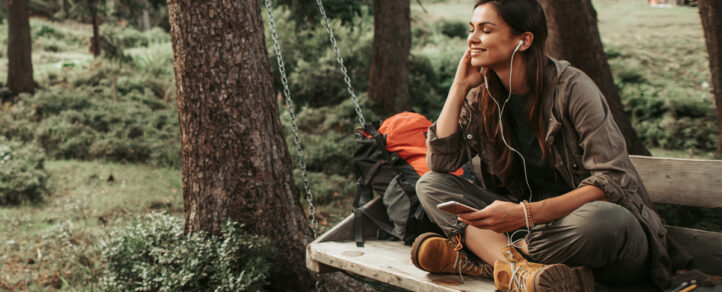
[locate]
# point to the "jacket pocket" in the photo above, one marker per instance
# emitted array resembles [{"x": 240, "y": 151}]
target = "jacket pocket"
[{"x": 653, "y": 223}]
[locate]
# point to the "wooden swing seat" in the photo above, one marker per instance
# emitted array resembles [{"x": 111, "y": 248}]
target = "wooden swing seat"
[{"x": 687, "y": 182}]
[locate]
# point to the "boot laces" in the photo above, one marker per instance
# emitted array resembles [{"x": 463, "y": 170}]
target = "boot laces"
[
  {"x": 517, "y": 283},
  {"x": 461, "y": 261}
]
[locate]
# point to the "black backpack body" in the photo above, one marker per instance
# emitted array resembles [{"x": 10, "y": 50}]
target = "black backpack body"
[{"x": 382, "y": 172}]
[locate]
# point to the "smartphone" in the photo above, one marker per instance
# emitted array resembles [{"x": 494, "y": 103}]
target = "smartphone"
[{"x": 455, "y": 208}]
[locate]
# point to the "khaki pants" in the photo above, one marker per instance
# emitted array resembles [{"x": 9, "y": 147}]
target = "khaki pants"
[{"x": 601, "y": 235}]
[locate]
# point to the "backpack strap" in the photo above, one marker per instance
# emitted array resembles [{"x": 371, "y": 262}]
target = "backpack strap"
[
  {"x": 364, "y": 192},
  {"x": 380, "y": 140},
  {"x": 358, "y": 225}
]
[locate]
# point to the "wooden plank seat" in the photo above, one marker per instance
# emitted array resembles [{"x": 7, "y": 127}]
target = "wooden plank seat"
[{"x": 687, "y": 182}]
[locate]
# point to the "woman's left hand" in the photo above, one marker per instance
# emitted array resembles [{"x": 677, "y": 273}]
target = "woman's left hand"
[{"x": 500, "y": 217}]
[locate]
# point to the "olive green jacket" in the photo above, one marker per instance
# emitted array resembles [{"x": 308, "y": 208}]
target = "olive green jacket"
[{"x": 585, "y": 145}]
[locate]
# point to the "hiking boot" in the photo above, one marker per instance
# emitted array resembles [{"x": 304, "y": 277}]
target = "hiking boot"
[
  {"x": 521, "y": 275},
  {"x": 433, "y": 253}
]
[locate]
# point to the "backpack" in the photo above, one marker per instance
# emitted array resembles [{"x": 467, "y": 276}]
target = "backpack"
[{"x": 389, "y": 161}]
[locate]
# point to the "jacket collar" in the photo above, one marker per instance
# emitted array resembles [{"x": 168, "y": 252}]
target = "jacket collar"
[{"x": 553, "y": 71}]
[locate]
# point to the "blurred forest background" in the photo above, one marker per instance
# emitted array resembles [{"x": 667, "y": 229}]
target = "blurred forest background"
[{"x": 90, "y": 182}]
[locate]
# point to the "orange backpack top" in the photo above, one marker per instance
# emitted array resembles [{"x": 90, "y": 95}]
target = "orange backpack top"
[
  {"x": 406, "y": 135},
  {"x": 389, "y": 162}
]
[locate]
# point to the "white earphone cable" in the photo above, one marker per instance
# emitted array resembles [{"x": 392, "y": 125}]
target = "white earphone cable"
[
  {"x": 501, "y": 112},
  {"x": 503, "y": 139}
]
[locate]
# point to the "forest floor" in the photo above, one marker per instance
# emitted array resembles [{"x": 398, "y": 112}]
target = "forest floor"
[{"x": 56, "y": 244}]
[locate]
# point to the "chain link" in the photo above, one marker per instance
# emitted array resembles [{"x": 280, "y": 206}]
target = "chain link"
[
  {"x": 290, "y": 105},
  {"x": 294, "y": 128},
  {"x": 339, "y": 59}
]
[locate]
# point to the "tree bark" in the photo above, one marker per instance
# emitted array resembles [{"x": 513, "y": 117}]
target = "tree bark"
[
  {"x": 96, "y": 33},
  {"x": 574, "y": 36},
  {"x": 20, "y": 63},
  {"x": 235, "y": 162},
  {"x": 710, "y": 12},
  {"x": 389, "y": 76}
]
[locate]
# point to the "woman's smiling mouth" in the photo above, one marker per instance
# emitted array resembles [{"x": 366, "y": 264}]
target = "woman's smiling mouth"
[{"x": 476, "y": 52}]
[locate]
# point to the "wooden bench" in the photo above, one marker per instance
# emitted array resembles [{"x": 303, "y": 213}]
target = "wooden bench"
[{"x": 687, "y": 182}]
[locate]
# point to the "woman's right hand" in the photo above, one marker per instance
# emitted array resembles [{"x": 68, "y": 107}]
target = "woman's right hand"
[{"x": 467, "y": 76}]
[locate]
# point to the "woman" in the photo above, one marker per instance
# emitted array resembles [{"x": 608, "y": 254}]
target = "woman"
[{"x": 553, "y": 165}]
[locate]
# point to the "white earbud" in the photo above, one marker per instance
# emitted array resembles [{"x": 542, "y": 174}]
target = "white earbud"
[{"x": 521, "y": 42}]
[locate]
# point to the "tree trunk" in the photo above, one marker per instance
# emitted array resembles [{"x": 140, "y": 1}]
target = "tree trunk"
[
  {"x": 95, "y": 46},
  {"x": 235, "y": 162},
  {"x": 710, "y": 11},
  {"x": 574, "y": 36},
  {"x": 20, "y": 63},
  {"x": 145, "y": 20},
  {"x": 65, "y": 8},
  {"x": 389, "y": 77}
]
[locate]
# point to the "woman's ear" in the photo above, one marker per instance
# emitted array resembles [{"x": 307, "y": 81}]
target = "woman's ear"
[{"x": 528, "y": 39}]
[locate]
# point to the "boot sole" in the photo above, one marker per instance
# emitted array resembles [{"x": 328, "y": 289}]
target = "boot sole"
[
  {"x": 562, "y": 278},
  {"x": 586, "y": 278},
  {"x": 417, "y": 244}
]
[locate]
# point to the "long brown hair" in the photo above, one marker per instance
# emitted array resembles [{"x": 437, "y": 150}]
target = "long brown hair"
[{"x": 521, "y": 16}]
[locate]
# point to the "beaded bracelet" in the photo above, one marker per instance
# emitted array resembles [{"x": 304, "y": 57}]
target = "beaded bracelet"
[{"x": 527, "y": 214}]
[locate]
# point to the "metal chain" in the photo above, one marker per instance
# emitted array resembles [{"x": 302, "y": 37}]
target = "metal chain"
[
  {"x": 339, "y": 59},
  {"x": 294, "y": 126}
]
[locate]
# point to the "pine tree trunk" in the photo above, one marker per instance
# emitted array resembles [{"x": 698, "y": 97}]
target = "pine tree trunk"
[
  {"x": 574, "y": 36},
  {"x": 20, "y": 63},
  {"x": 389, "y": 77},
  {"x": 710, "y": 12},
  {"x": 146, "y": 20},
  {"x": 65, "y": 8},
  {"x": 235, "y": 163},
  {"x": 96, "y": 33}
]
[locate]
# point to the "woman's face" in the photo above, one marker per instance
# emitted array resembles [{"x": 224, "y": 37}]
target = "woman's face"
[{"x": 490, "y": 38}]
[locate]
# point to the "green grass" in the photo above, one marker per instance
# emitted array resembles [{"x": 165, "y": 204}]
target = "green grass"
[
  {"x": 58, "y": 239},
  {"x": 664, "y": 44}
]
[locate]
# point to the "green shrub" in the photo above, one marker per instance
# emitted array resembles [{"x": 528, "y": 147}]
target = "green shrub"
[
  {"x": 88, "y": 123},
  {"x": 22, "y": 172},
  {"x": 690, "y": 217},
  {"x": 313, "y": 73},
  {"x": 432, "y": 71},
  {"x": 117, "y": 40},
  {"x": 325, "y": 187},
  {"x": 307, "y": 15},
  {"x": 44, "y": 30},
  {"x": 424, "y": 86},
  {"x": 454, "y": 29},
  {"x": 156, "y": 255},
  {"x": 47, "y": 37},
  {"x": 154, "y": 71},
  {"x": 15, "y": 124},
  {"x": 670, "y": 116},
  {"x": 612, "y": 53},
  {"x": 327, "y": 135},
  {"x": 45, "y": 8}
]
